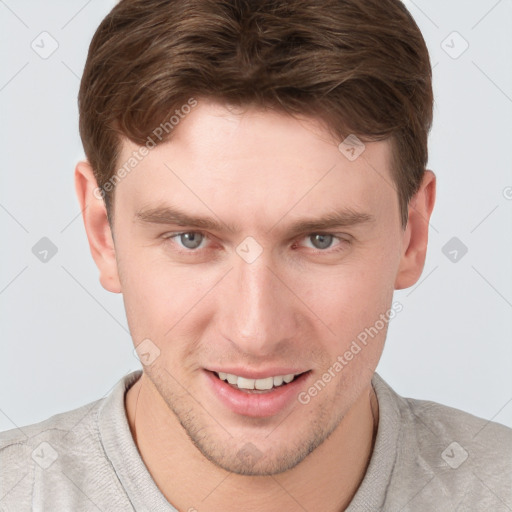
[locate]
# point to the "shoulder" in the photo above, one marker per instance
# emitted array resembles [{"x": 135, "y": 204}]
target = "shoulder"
[
  {"x": 60, "y": 463},
  {"x": 470, "y": 457},
  {"x": 450, "y": 457},
  {"x": 481, "y": 442},
  {"x": 44, "y": 453},
  {"x": 70, "y": 429},
  {"x": 44, "y": 443},
  {"x": 60, "y": 428}
]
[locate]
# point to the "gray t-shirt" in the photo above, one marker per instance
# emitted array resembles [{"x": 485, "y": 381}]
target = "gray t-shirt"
[{"x": 427, "y": 457}]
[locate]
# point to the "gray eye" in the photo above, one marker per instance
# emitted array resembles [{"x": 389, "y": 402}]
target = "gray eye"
[
  {"x": 191, "y": 240},
  {"x": 321, "y": 241}
]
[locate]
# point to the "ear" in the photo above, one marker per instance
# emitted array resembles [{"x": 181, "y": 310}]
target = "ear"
[
  {"x": 98, "y": 230},
  {"x": 415, "y": 236}
]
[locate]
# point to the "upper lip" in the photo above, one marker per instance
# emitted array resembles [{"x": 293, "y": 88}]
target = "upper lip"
[{"x": 258, "y": 374}]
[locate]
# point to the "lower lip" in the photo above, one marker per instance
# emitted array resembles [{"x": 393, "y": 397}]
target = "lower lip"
[{"x": 257, "y": 405}]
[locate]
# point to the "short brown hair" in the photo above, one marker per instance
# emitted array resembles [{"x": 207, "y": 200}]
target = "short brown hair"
[{"x": 362, "y": 66}]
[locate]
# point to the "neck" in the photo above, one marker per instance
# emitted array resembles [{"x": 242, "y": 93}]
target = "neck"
[{"x": 326, "y": 480}]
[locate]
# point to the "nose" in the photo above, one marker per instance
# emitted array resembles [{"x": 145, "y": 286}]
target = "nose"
[{"x": 258, "y": 311}]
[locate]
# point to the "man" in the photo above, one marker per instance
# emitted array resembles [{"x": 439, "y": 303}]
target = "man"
[{"x": 256, "y": 188}]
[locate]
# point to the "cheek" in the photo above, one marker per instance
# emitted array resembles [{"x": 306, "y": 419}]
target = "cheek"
[
  {"x": 350, "y": 297},
  {"x": 157, "y": 294}
]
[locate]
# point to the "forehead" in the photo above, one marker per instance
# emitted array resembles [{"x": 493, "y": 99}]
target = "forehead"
[{"x": 238, "y": 162}]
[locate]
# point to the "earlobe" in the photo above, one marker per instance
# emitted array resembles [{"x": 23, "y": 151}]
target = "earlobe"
[
  {"x": 97, "y": 227},
  {"x": 415, "y": 236}
]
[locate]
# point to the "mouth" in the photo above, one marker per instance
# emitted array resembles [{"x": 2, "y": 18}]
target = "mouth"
[
  {"x": 257, "y": 394},
  {"x": 264, "y": 385}
]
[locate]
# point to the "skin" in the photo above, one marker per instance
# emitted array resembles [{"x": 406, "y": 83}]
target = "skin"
[{"x": 297, "y": 304}]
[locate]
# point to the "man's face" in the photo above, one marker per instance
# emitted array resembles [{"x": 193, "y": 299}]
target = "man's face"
[{"x": 252, "y": 296}]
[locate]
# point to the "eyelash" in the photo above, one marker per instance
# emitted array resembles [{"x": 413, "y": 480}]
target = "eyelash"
[{"x": 337, "y": 248}]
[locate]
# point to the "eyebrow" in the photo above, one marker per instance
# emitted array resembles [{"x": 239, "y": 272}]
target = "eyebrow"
[{"x": 171, "y": 215}]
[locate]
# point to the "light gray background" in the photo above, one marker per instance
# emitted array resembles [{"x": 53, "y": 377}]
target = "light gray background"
[{"x": 65, "y": 340}]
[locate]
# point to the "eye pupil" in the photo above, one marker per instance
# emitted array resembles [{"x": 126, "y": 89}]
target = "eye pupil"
[
  {"x": 191, "y": 240},
  {"x": 324, "y": 241}
]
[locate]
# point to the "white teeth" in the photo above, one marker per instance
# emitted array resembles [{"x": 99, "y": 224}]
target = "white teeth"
[
  {"x": 232, "y": 379},
  {"x": 260, "y": 384},
  {"x": 263, "y": 383},
  {"x": 245, "y": 383},
  {"x": 278, "y": 380}
]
